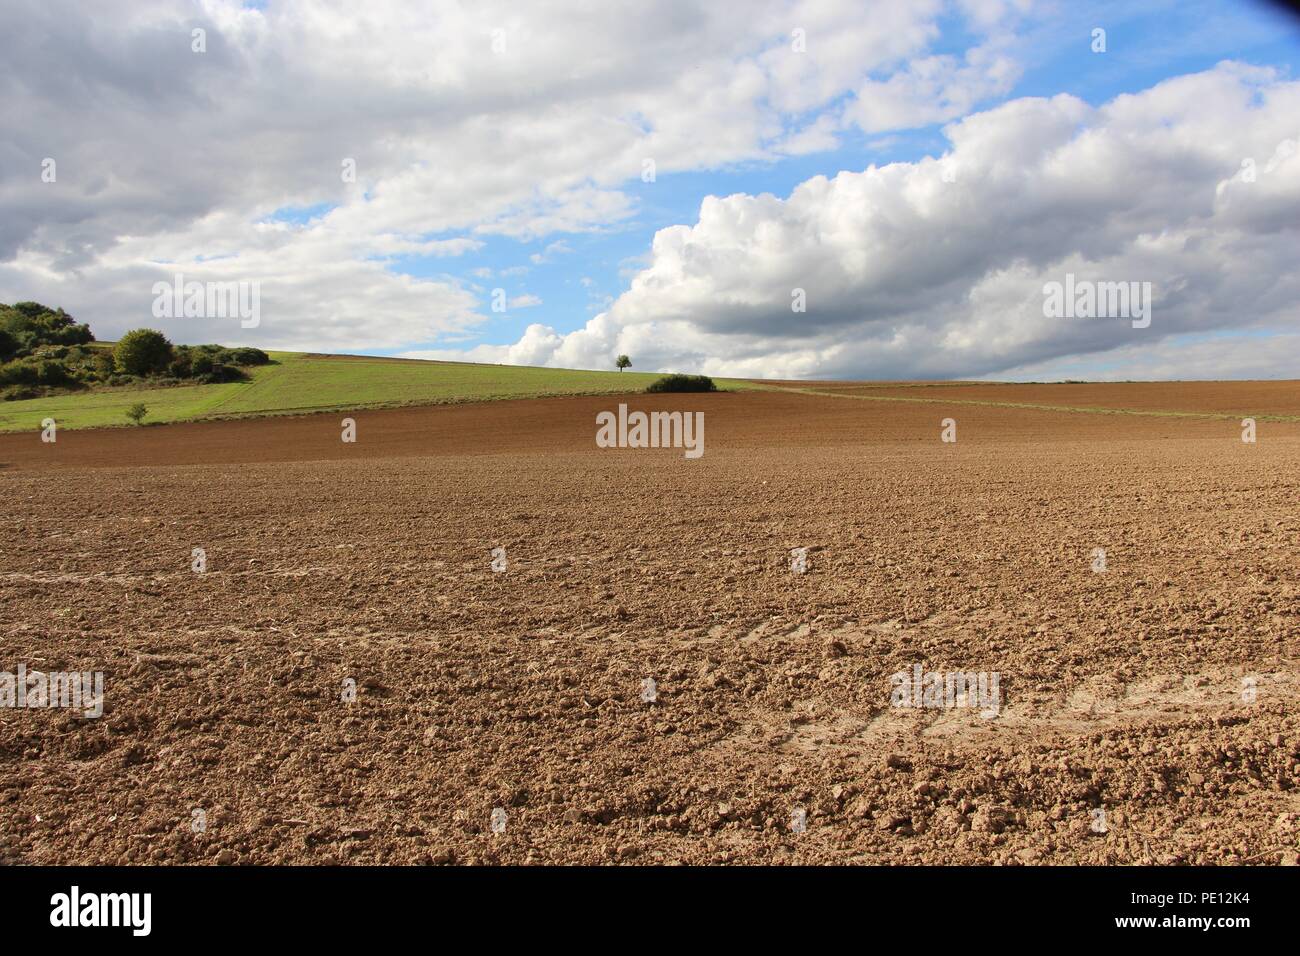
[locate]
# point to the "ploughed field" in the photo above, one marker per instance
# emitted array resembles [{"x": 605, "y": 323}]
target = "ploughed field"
[{"x": 1145, "y": 713}]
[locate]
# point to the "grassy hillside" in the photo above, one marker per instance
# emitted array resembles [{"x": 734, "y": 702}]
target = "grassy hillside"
[{"x": 301, "y": 382}]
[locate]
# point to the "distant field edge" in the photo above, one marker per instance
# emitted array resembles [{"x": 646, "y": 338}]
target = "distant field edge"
[{"x": 1037, "y": 406}]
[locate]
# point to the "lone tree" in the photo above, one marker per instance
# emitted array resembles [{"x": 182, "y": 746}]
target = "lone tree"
[
  {"x": 142, "y": 352},
  {"x": 137, "y": 412},
  {"x": 623, "y": 362}
]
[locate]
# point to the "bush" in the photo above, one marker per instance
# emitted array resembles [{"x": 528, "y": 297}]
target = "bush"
[
  {"x": 241, "y": 356},
  {"x": 223, "y": 373},
  {"x": 182, "y": 365},
  {"x": 143, "y": 352},
  {"x": 19, "y": 373},
  {"x": 55, "y": 375},
  {"x": 137, "y": 412},
  {"x": 247, "y": 355},
  {"x": 30, "y": 309},
  {"x": 683, "y": 383},
  {"x": 72, "y": 335}
]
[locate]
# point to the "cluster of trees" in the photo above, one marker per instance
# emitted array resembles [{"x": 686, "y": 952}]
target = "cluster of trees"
[
  {"x": 44, "y": 350},
  {"x": 144, "y": 353},
  {"x": 38, "y": 348},
  {"x": 26, "y": 326}
]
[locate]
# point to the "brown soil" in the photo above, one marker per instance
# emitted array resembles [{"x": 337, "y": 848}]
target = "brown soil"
[
  {"x": 1121, "y": 691},
  {"x": 1256, "y": 399}
]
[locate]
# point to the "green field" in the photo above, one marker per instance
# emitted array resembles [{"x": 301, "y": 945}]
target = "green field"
[{"x": 298, "y": 382}]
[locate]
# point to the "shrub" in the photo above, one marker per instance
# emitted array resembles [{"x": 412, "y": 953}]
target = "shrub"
[
  {"x": 55, "y": 375},
  {"x": 72, "y": 334},
  {"x": 29, "y": 309},
  {"x": 19, "y": 373},
  {"x": 223, "y": 373},
  {"x": 247, "y": 355},
  {"x": 143, "y": 352},
  {"x": 683, "y": 383},
  {"x": 243, "y": 355},
  {"x": 182, "y": 366},
  {"x": 137, "y": 412}
]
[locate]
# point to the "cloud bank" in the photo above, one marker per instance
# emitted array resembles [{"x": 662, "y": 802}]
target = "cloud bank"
[
  {"x": 935, "y": 269},
  {"x": 459, "y": 122},
  {"x": 472, "y": 124}
]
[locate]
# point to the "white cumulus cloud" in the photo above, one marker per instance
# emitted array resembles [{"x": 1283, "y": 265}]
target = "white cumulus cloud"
[{"x": 936, "y": 268}]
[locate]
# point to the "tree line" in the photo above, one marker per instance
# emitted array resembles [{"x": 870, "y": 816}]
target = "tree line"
[{"x": 45, "y": 351}]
